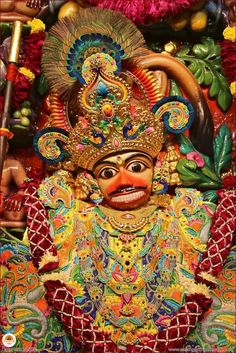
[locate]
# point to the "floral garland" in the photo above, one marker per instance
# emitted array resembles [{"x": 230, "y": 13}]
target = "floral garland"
[
  {"x": 228, "y": 56},
  {"x": 31, "y": 63},
  {"x": 222, "y": 234},
  {"x": 142, "y": 11}
]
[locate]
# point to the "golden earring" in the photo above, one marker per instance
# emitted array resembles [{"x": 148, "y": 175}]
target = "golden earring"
[
  {"x": 159, "y": 182},
  {"x": 86, "y": 188},
  {"x": 166, "y": 173}
]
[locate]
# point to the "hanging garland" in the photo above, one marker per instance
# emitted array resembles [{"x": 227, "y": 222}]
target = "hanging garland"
[
  {"x": 143, "y": 11},
  {"x": 31, "y": 64},
  {"x": 228, "y": 56}
]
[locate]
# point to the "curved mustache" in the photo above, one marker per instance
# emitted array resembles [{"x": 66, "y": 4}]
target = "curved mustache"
[{"x": 126, "y": 188}]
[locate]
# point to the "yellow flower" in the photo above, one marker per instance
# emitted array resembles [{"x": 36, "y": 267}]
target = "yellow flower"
[
  {"x": 229, "y": 33},
  {"x": 230, "y": 336},
  {"x": 233, "y": 88},
  {"x": 19, "y": 330},
  {"x": 36, "y": 25},
  {"x": 27, "y": 73},
  {"x": 78, "y": 287}
]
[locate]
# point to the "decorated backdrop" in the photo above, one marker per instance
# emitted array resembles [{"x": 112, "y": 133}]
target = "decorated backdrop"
[{"x": 83, "y": 85}]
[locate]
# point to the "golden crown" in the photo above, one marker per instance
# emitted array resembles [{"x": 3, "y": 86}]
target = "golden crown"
[
  {"x": 110, "y": 121},
  {"x": 112, "y": 107}
]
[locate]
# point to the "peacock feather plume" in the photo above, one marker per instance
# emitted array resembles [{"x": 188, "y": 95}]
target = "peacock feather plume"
[{"x": 91, "y": 33}]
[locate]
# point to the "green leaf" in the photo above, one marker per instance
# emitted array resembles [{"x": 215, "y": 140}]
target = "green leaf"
[
  {"x": 186, "y": 146},
  {"x": 191, "y": 175},
  {"x": 215, "y": 87},
  {"x": 40, "y": 344},
  {"x": 222, "y": 149},
  {"x": 210, "y": 174},
  {"x": 199, "y": 74},
  {"x": 187, "y": 172},
  {"x": 49, "y": 337},
  {"x": 224, "y": 99},
  {"x": 174, "y": 89},
  {"x": 200, "y": 50},
  {"x": 205, "y": 64},
  {"x": 184, "y": 51},
  {"x": 209, "y": 184},
  {"x": 214, "y": 49},
  {"x": 208, "y": 77},
  {"x": 210, "y": 195},
  {"x": 42, "y": 86},
  {"x": 193, "y": 67}
]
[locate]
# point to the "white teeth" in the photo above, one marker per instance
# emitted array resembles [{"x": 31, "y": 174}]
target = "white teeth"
[{"x": 128, "y": 198}]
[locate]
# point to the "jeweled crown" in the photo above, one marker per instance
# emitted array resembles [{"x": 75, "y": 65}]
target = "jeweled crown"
[
  {"x": 112, "y": 108},
  {"x": 110, "y": 121}
]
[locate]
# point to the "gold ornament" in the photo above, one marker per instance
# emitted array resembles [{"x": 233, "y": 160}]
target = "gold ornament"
[
  {"x": 86, "y": 187},
  {"x": 128, "y": 221},
  {"x": 147, "y": 127},
  {"x": 104, "y": 115},
  {"x": 167, "y": 171}
]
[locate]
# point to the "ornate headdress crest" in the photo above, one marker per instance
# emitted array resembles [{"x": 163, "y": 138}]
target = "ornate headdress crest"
[{"x": 112, "y": 107}]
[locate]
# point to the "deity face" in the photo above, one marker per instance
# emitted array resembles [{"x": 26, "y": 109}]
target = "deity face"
[{"x": 125, "y": 179}]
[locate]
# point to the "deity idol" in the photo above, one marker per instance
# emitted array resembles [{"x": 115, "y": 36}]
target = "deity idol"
[{"x": 123, "y": 261}]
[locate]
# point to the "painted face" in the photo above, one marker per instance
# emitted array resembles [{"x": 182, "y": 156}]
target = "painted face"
[{"x": 125, "y": 180}]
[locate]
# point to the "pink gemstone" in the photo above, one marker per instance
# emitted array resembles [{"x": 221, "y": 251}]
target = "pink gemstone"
[
  {"x": 149, "y": 130},
  {"x": 116, "y": 143},
  {"x": 80, "y": 147},
  {"x": 128, "y": 216}
]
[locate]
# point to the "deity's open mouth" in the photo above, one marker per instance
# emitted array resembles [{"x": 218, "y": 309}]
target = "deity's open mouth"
[{"x": 128, "y": 194}]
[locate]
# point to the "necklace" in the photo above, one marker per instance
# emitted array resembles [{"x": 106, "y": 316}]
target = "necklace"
[
  {"x": 128, "y": 221},
  {"x": 124, "y": 258}
]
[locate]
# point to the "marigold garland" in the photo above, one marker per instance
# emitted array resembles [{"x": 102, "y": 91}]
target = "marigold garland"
[
  {"x": 6, "y": 132},
  {"x": 36, "y": 25},
  {"x": 228, "y": 56},
  {"x": 233, "y": 88},
  {"x": 229, "y": 33},
  {"x": 31, "y": 64},
  {"x": 145, "y": 11},
  {"x": 27, "y": 73}
]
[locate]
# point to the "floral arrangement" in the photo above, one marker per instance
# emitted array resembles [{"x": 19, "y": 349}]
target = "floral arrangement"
[
  {"x": 143, "y": 11},
  {"x": 228, "y": 56},
  {"x": 31, "y": 63}
]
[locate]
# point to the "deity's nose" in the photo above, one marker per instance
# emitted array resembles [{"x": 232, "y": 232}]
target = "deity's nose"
[{"x": 124, "y": 177}]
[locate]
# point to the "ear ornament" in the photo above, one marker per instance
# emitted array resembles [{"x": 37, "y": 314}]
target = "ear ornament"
[
  {"x": 177, "y": 113},
  {"x": 48, "y": 144}
]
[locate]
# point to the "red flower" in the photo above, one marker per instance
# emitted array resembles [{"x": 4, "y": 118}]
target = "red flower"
[
  {"x": 229, "y": 182},
  {"x": 33, "y": 51},
  {"x": 143, "y": 11},
  {"x": 200, "y": 299},
  {"x": 1, "y": 103},
  {"x": 36, "y": 174},
  {"x": 21, "y": 89},
  {"x": 228, "y": 59}
]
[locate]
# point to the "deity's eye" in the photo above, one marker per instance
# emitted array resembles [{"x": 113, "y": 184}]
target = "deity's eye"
[
  {"x": 136, "y": 167},
  {"x": 107, "y": 173}
]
